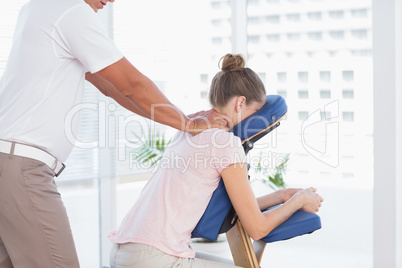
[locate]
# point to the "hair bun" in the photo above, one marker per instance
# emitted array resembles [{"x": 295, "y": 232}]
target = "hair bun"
[{"x": 233, "y": 62}]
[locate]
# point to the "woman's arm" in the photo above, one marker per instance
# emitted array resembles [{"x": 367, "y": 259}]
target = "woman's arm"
[
  {"x": 277, "y": 197},
  {"x": 137, "y": 93},
  {"x": 256, "y": 223}
]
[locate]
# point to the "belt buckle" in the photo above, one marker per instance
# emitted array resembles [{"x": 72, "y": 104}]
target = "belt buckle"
[{"x": 61, "y": 170}]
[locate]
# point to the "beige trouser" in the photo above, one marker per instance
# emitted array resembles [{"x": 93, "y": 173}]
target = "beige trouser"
[
  {"x": 133, "y": 255},
  {"x": 34, "y": 227}
]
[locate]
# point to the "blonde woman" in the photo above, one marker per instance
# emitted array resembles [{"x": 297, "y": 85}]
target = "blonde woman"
[{"x": 157, "y": 230}]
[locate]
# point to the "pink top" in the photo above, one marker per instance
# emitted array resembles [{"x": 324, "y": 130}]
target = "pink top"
[{"x": 175, "y": 198}]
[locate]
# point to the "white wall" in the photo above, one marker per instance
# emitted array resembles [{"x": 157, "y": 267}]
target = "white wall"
[{"x": 387, "y": 62}]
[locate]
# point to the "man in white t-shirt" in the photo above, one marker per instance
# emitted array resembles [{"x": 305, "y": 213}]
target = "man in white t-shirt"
[{"x": 57, "y": 45}]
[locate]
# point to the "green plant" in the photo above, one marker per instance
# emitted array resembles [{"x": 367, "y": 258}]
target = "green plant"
[
  {"x": 151, "y": 148},
  {"x": 273, "y": 178}
]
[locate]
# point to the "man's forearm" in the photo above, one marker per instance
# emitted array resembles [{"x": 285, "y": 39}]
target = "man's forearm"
[
  {"x": 159, "y": 110},
  {"x": 109, "y": 90},
  {"x": 146, "y": 96},
  {"x": 143, "y": 94}
]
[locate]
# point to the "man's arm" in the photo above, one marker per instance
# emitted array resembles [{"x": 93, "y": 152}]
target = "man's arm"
[
  {"x": 137, "y": 93},
  {"x": 109, "y": 90}
]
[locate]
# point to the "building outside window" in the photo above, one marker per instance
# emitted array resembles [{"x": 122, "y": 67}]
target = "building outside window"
[
  {"x": 303, "y": 94},
  {"x": 336, "y": 14},
  {"x": 273, "y": 19},
  {"x": 348, "y": 93},
  {"x": 293, "y": 36},
  {"x": 316, "y": 36},
  {"x": 314, "y": 15},
  {"x": 360, "y": 13},
  {"x": 282, "y": 77},
  {"x": 325, "y": 94},
  {"x": 325, "y": 76},
  {"x": 348, "y": 76},
  {"x": 303, "y": 77},
  {"x": 293, "y": 17},
  {"x": 337, "y": 35}
]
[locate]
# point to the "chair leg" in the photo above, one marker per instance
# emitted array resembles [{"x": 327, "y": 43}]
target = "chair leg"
[
  {"x": 259, "y": 247},
  {"x": 241, "y": 247}
]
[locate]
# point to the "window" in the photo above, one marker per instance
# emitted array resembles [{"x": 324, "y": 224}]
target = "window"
[
  {"x": 220, "y": 46},
  {"x": 336, "y": 14},
  {"x": 254, "y": 20},
  {"x": 274, "y": 19},
  {"x": 204, "y": 94},
  {"x": 254, "y": 39},
  {"x": 362, "y": 53},
  {"x": 282, "y": 76},
  {"x": 348, "y": 116},
  {"x": 303, "y": 115},
  {"x": 359, "y": 13},
  {"x": 303, "y": 94},
  {"x": 204, "y": 78},
  {"x": 316, "y": 36},
  {"x": 220, "y": 4},
  {"x": 346, "y": 175},
  {"x": 282, "y": 92},
  {"x": 325, "y": 174},
  {"x": 273, "y": 37},
  {"x": 314, "y": 15},
  {"x": 325, "y": 76},
  {"x": 262, "y": 76},
  {"x": 253, "y": 2},
  {"x": 217, "y": 41},
  {"x": 325, "y": 115},
  {"x": 348, "y": 94},
  {"x": 348, "y": 76},
  {"x": 337, "y": 34},
  {"x": 293, "y": 17},
  {"x": 293, "y": 36},
  {"x": 325, "y": 94},
  {"x": 359, "y": 34},
  {"x": 217, "y": 23},
  {"x": 303, "y": 77}
]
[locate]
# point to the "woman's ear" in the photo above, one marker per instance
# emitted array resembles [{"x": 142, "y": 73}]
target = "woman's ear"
[{"x": 240, "y": 103}]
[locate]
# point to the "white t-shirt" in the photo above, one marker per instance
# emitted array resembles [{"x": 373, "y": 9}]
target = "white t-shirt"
[
  {"x": 175, "y": 198},
  {"x": 55, "y": 43}
]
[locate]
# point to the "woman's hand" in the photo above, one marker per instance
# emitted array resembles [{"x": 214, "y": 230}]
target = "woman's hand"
[
  {"x": 309, "y": 200},
  {"x": 286, "y": 194}
]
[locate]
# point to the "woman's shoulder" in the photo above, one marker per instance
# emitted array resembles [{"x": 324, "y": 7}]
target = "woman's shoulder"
[
  {"x": 217, "y": 132},
  {"x": 218, "y": 138},
  {"x": 210, "y": 138}
]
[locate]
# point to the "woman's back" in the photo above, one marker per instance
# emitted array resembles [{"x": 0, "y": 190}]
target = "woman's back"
[{"x": 179, "y": 191}]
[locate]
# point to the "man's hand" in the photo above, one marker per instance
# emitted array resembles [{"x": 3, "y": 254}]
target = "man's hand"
[{"x": 203, "y": 120}]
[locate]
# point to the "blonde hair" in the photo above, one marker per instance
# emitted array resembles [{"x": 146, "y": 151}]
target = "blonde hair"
[{"x": 235, "y": 80}]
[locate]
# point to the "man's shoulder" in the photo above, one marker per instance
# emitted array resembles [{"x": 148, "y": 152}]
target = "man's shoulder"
[{"x": 53, "y": 11}]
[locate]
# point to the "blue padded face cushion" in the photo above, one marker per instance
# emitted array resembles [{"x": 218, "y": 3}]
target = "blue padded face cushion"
[
  {"x": 219, "y": 206},
  {"x": 271, "y": 112}
]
